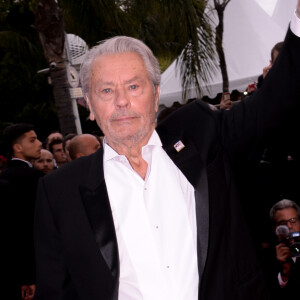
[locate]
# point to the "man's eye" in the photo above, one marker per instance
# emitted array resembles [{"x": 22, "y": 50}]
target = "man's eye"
[
  {"x": 106, "y": 91},
  {"x": 133, "y": 87}
]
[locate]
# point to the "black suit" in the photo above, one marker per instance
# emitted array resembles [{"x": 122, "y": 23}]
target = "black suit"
[
  {"x": 18, "y": 195},
  {"x": 76, "y": 245}
]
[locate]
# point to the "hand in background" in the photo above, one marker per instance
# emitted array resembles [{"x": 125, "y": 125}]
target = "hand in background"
[{"x": 225, "y": 102}]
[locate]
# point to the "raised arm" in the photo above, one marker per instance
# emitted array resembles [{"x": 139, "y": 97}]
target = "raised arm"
[{"x": 247, "y": 125}]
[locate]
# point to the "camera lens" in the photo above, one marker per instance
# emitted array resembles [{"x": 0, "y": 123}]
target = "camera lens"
[{"x": 295, "y": 249}]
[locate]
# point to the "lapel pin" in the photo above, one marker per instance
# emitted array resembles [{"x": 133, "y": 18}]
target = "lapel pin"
[{"x": 179, "y": 146}]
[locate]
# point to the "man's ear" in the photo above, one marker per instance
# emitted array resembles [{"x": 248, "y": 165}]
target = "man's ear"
[
  {"x": 92, "y": 115},
  {"x": 17, "y": 148}
]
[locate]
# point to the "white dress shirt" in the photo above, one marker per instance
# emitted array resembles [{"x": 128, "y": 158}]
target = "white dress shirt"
[
  {"x": 295, "y": 24},
  {"x": 155, "y": 224}
]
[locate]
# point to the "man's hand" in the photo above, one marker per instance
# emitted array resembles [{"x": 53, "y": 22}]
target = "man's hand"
[
  {"x": 283, "y": 254},
  {"x": 298, "y": 9},
  {"x": 28, "y": 291}
]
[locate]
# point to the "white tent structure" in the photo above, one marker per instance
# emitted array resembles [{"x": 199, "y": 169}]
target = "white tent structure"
[
  {"x": 249, "y": 35},
  {"x": 282, "y": 12}
]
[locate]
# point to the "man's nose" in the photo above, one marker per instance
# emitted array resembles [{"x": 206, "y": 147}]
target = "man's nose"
[{"x": 122, "y": 98}]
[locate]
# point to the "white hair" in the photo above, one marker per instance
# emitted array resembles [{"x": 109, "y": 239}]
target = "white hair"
[{"x": 120, "y": 44}]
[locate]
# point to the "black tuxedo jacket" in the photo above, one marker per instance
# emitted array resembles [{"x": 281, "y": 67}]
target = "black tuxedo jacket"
[{"x": 76, "y": 246}]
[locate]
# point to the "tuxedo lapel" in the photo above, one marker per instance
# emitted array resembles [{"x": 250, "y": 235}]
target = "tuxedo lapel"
[
  {"x": 188, "y": 160},
  {"x": 95, "y": 199},
  {"x": 202, "y": 213}
]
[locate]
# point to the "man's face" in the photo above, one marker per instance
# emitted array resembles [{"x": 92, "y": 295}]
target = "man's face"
[
  {"x": 45, "y": 163},
  {"x": 59, "y": 154},
  {"x": 28, "y": 146},
  {"x": 122, "y": 98},
  {"x": 286, "y": 216}
]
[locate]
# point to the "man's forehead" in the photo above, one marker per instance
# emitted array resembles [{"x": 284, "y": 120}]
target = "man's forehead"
[
  {"x": 57, "y": 146},
  {"x": 285, "y": 213},
  {"x": 130, "y": 61},
  {"x": 46, "y": 154}
]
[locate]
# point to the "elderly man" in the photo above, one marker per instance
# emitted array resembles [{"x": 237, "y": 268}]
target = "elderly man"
[
  {"x": 83, "y": 145},
  {"x": 153, "y": 214}
]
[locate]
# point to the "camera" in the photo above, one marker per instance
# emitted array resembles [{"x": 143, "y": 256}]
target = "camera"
[{"x": 293, "y": 241}]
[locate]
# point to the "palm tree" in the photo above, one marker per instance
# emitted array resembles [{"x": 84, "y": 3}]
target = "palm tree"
[
  {"x": 168, "y": 27},
  {"x": 50, "y": 27},
  {"x": 25, "y": 95},
  {"x": 220, "y": 7}
]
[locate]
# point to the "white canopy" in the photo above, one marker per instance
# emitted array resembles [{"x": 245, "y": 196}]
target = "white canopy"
[{"x": 249, "y": 35}]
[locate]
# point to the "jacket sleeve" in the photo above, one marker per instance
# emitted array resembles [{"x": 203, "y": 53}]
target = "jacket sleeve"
[{"x": 249, "y": 123}]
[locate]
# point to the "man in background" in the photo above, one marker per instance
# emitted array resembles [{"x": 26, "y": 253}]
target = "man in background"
[
  {"x": 83, "y": 145},
  {"x": 45, "y": 163},
  {"x": 274, "y": 53},
  {"x": 285, "y": 217},
  {"x": 53, "y": 136},
  {"x": 56, "y": 148},
  {"x": 23, "y": 147}
]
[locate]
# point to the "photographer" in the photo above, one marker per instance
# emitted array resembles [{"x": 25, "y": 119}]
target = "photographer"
[{"x": 285, "y": 216}]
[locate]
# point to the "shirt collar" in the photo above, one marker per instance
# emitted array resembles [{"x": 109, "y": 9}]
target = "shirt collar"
[
  {"x": 25, "y": 161},
  {"x": 110, "y": 153}
]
